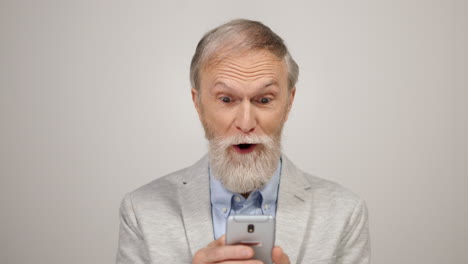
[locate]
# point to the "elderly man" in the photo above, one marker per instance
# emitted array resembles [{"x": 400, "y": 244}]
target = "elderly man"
[{"x": 243, "y": 86}]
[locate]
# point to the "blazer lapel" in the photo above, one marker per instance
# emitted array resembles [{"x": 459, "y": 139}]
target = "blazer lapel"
[
  {"x": 293, "y": 210},
  {"x": 196, "y": 207}
]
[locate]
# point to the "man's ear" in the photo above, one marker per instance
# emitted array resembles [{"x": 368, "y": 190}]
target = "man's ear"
[
  {"x": 196, "y": 100},
  {"x": 292, "y": 93},
  {"x": 291, "y": 98}
]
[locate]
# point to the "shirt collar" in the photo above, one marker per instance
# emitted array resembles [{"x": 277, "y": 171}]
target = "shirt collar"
[{"x": 221, "y": 197}]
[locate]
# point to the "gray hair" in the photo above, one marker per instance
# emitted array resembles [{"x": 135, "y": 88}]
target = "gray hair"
[{"x": 237, "y": 36}]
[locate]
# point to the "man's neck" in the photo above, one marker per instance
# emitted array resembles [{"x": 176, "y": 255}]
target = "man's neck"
[{"x": 246, "y": 195}]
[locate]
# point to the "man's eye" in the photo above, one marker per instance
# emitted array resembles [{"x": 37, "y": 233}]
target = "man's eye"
[
  {"x": 225, "y": 99},
  {"x": 265, "y": 100}
]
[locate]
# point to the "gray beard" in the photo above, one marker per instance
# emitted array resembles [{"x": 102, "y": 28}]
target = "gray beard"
[{"x": 244, "y": 173}]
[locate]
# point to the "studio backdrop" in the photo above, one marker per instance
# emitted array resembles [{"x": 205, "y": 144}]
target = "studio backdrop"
[{"x": 95, "y": 102}]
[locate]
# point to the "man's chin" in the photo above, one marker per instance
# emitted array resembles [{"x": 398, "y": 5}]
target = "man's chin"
[
  {"x": 245, "y": 183},
  {"x": 244, "y": 173},
  {"x": 244, "y": 164}
]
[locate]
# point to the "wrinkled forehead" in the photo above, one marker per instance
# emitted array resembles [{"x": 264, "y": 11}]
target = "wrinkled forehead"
[
  {"x": 246, "y": 61},
  {"x": 236, "y": 52}
]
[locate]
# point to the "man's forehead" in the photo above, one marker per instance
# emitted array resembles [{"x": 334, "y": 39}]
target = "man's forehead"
[
  {"x": 247, "y": 58},
  {"x": 248, "y": 66},
  {"x": 221, "y": 84}
]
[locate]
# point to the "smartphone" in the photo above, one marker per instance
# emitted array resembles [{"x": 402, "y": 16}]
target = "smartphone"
[{"x": 257, "y": 231}]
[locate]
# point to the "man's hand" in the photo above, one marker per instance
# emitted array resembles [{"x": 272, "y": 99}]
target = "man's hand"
[
  {"x": 218, "y": 252},
  {"x": 278, "y": 256}
]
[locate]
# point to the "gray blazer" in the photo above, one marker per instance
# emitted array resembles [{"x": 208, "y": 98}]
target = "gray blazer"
[{"x": 169, "y": 219}]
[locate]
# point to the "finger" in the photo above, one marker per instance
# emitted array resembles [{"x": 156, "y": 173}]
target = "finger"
[
  {"x": 251, "y": 261},
  {"x": 278, "y": 256},
  {"x": 221, "y": 241},
  {"x": 221, "y": 253}
]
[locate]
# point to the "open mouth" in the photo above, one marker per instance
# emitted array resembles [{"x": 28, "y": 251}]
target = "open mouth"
[{"x": 245, "y": 148}]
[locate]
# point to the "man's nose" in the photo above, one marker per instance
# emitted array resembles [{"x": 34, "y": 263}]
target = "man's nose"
[{"x": 245, "y": 120}]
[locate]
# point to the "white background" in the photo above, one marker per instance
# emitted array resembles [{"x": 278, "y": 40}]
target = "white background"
[{"x": 95, "y": 102}]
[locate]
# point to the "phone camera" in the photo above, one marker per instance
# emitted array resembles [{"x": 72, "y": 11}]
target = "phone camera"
[{"x": 250, "y": 228}]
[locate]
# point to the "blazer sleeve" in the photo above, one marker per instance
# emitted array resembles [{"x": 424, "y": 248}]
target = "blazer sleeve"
[
  {"x": 355, "y": 244},
  {"x": 132, "y": 248}
]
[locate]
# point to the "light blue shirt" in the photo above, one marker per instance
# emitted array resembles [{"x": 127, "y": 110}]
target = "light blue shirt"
[{"x": 225, "y": 203}]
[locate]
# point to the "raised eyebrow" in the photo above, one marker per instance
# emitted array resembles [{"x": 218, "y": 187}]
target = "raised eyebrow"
[
  {"x": 220, "y": 84},
  {"x": 221, "y": 87},
  {"x": 224, "y": 86},
  {"x": 273, "y": 84}
]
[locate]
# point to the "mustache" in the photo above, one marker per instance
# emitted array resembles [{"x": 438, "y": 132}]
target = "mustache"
[{"x": 225, "y": 142}]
